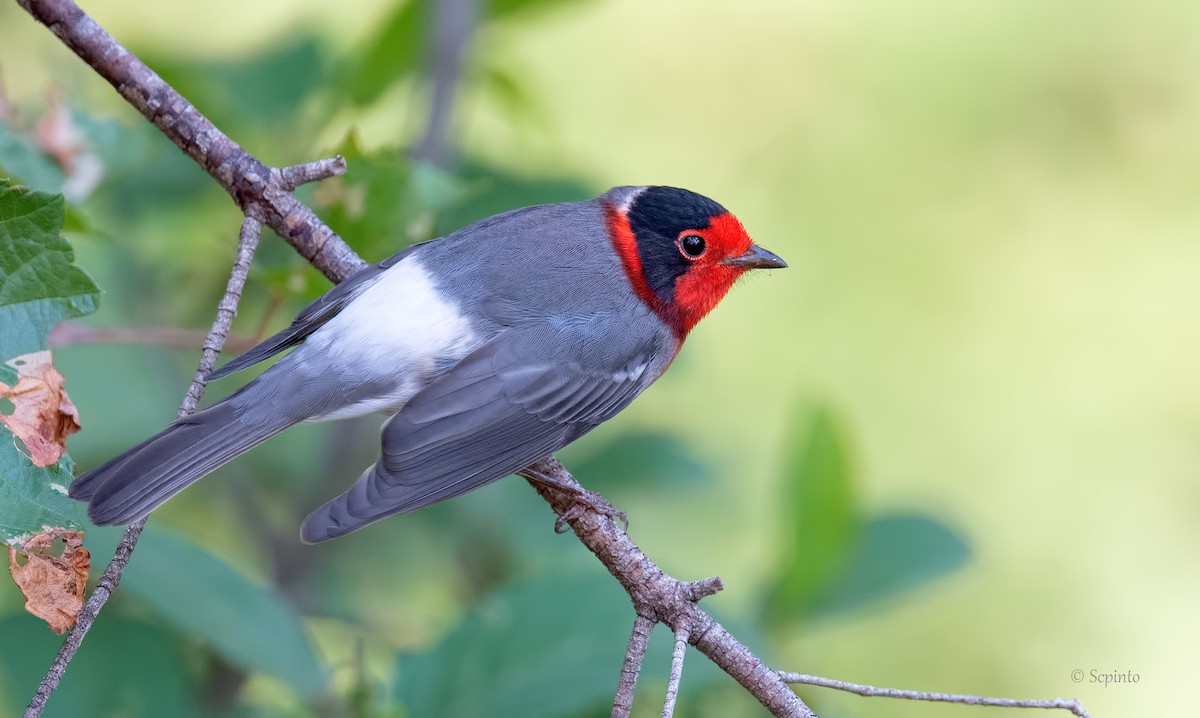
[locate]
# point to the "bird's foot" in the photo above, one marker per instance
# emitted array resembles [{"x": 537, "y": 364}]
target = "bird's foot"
[
  {"x": 581, "y": 500},
  {"x": 585, "y": 500}
]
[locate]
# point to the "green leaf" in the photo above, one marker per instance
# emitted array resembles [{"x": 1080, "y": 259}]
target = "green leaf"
[
  {"x": 898, "y": 552},
  {"x": 32, "y": 497},
  {"x": 21, "y": 159},
  {"x": 819, "y": 515},
  {"x": 251, "y": 625},
  {"x": 385, "y": 202},
  {"x": 267, "y": 87},
  {"x": 120, "y": 148},
  {"x": 39, "y": 287},
  {"x": 435, "y": 189},
  {"x": 390, "y": 56},
  {"x": 512, "y": 96},
  {"x": 125, "y": 668},
  {"x": 544, "y": 648}
]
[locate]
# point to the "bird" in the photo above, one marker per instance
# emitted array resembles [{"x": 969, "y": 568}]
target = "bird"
[{"x": 490, "y": 348}]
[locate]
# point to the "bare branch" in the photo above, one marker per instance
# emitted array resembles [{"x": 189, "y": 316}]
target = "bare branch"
[
  {"x": 656, "y": 594},
  {"x": 681, "y": 643},
  {"x": 898, "y": 693},
  {"x": 297, "y": 175},
  {"x": 226, "y": 309},
  {"x": 632, "y": 667},
  {"x": 67, "y": 333},
  {"x": 703, "y": 588},
  {"x": 247, "y": 241}
]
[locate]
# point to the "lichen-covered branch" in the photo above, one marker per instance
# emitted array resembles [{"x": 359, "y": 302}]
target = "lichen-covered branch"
[{"x": 1067, "y": 704}]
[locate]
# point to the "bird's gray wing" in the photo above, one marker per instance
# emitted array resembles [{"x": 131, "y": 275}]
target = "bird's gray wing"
[
  {"x": 313, "y": 316},
  {"x": 518, "y": 398}
]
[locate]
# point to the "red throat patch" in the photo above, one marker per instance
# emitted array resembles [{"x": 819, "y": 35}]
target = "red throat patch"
[{"x": 698, "y": 290}]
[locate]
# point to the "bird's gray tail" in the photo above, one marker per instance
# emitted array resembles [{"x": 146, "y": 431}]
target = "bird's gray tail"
[{"x": 135, "y": 483}]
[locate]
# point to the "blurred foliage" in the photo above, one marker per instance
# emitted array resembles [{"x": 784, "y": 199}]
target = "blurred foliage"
[
  {"x": 249, "y": 625},
  {"x": 549, "y": 638},
  {"x": 837, "y": 559},
  {"x": 467, "y": 608}
]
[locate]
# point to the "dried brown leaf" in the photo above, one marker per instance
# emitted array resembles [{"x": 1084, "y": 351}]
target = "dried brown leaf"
[
  {"x": 43, "y": 415},
  {"x": 53, "y": 585},
  {"x": 55, "y": 133}
]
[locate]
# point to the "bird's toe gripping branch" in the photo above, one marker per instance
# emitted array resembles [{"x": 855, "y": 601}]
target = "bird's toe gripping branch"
[{"x": 583, "y": 500}]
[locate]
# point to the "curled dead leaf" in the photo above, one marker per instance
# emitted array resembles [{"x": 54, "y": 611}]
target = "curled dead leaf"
[
  {"x": 53, "y": 585},
  {"x": 43, "y": 416}
]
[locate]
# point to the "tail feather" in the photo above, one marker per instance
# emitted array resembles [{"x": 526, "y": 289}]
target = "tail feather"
[{"x": 135, "y": 483}]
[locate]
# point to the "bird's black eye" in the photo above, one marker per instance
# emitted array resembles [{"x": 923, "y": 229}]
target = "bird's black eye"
[{"x": 693, "y": 245}]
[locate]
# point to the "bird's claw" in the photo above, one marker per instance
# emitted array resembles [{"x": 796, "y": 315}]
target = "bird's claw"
[{"x": 590, "y": 500}]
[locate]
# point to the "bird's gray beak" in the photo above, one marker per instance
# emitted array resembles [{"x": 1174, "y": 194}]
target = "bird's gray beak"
[{"x": 756, "y": 258}]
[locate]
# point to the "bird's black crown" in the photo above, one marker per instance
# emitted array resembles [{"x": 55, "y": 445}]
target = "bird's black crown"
[{"x": 657, "y": 217}]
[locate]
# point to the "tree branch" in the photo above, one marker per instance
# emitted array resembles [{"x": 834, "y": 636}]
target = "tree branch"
[
  {"x": 964, "y": 699},
  {"x": 681, "y": 642},
  {"x": 639, "y": 638},
  {"x": 659, "y": 596},
  {"x": 66, "y": 333}
]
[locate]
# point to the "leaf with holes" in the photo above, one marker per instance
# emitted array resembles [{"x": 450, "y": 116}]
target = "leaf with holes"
[{"x": 39, "y": 287}]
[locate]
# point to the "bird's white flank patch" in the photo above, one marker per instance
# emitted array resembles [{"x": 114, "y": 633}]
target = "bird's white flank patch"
[{"x": 398, "y": 331}]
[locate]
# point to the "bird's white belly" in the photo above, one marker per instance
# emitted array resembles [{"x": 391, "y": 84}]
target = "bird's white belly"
[{"x": 395, "y": 333}]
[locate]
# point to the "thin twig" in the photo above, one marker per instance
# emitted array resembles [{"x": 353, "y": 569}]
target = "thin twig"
[
  {"x": 247, "y": 241},
  {"x": 681, "y": 642},
  {"x": 67, "y": 333},
  {"x": 226, "y": 308},
  {"x": 639, "y": 638},
  {"x": 316, "y": 171},
  {"x": 705, "y": 587},
  {"x": 898, "y": 693}
]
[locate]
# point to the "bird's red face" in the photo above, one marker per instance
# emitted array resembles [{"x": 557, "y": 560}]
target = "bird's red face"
[{"x": 682, "y": 252}]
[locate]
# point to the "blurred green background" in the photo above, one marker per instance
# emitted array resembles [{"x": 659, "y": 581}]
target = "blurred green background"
[{"x": 953, "y": 447}]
